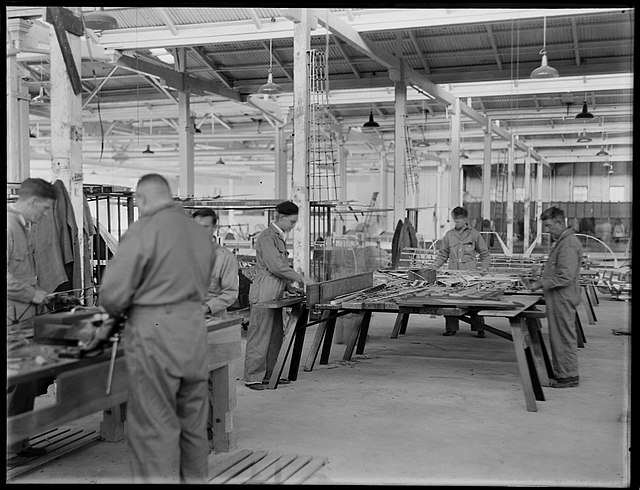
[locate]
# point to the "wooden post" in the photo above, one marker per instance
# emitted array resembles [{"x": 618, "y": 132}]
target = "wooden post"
[
  {"x": 186, "y": 132},
  {"x": 18, "y": 98},
  {"x": 280, "y": 151},
  {"x": 454, "y": 196},
  {"x": 399, "y": 191},
  {"x": 300, "y": 191},
  {"x": 539, "y": 201},
  {"x": 66, "y": 130},
  {"x": 510, "y": 180},
  {"x": 486, "y": 173},
  {"x": 527, "y": 198},
  {"x": 384, "y": 191}
]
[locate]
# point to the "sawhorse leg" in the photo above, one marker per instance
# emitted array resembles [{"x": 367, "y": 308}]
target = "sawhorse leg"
[
  {"x": 400, "y": 325},
  {"x": 364, "y": 325},
  {"x": 539, "y": 351},
  {"x": 112, "y": 425},
  {"x": 297, "y": 321},
  {"x": 588, "y": 306},
  {"x": 593, "y": 293},
  {"x": 225, "y": 439},
  {"x": 325, "y": 330},
  {"x": 526, "y": 365},
  {"x": 364, "y": 331}
]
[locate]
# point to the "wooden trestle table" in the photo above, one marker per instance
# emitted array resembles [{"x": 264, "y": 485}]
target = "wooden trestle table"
[{"x": 81, "y": 388}]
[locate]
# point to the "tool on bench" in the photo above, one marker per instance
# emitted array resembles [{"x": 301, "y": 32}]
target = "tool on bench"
[{"x": 112, "y": 362}]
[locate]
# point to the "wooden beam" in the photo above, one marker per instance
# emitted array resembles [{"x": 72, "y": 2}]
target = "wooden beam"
[
  {"x": 204, "y": 57},
  {"x": 574, "y": 35},
  {"x": 67, "y": 19},
  {"x": 421, "y": 55},
  {"x": 492, "y": 41},
  {"x": 166, "y": 18},
  {"x": 179, "y": 81},
  {"x": 59, "y": 26},
  {"x": 98, "y": 87},
  {"x": 338, "y": 43},
  {"x": 255, "y": 18},
  {"x": 155, "y": 84}
]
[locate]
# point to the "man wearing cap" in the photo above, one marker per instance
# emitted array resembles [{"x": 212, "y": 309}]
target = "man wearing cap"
[{"x": 274, "y": 276}]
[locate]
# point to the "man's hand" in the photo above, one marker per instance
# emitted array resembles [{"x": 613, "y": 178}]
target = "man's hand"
[
  {"x": 205, "y": 309},
  {"x": 40, "y": 297}
]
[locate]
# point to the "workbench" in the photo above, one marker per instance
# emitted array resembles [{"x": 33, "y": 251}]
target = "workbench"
[
  {"x": 81, "y": 388},
  {"x": 524, "y": 319}
]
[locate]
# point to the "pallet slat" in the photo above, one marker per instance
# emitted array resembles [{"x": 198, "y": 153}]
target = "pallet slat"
[{"x": 238, "y": 468}]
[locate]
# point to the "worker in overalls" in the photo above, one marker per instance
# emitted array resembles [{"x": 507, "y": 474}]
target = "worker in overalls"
[
  {"x": 158, "y": 278},
  {"x": 274, "y": 276},
  {"x": 560, "y": 283},
  {"x": 462, "y": 246},
  {"x": 223, "y": 288},
  {"x": 36, "y": 198}
]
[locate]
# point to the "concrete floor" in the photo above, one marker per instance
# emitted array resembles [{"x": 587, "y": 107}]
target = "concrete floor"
[{"x": 427, "y": 410}]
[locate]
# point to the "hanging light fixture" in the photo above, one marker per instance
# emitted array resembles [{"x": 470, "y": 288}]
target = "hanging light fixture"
[
  {"x": 544, "y": 70},
  {"x": 583, "y": 138},
  {"x": 370, "y": 124},
  {"x": 270, "y": 88},
  {"x": 585, "y": 114},
  {"x": 463, "y": 154},
  {"x": 148, "y": 150},
  {"x": 220, "y": 162},
  {"x": 99, "y": 20},
  {"x": 42, "y": 97},
  {"x": 424, "y": 143},
  {"x": 602, "y": 152}
]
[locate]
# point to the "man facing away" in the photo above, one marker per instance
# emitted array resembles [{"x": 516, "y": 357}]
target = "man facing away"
[
  {"x": 158, "y": 278},
  {"x": 460, "y": 246},
  {"x": 274, "y": 276},
  {"x": 560, "y": 283},
  {"x": 36, "y": 198},
  {"x": 223, "y": 287}
]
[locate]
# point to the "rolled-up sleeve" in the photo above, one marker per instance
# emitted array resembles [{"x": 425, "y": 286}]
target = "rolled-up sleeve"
[{"x": 17, "y": 290}]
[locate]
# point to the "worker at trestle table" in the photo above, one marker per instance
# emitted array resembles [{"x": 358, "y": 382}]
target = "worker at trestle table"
[
  {"x": 158, "y": 278},
  {"x": 36, "y": 199},
  {"x": 460, "y": 246},
  {"x": 223, "y": 287},
  {"x": 274, "y": 276},
  {"x": 560, "y": 283}
]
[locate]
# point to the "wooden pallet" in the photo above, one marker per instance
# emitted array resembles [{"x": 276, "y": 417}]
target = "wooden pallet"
[
  {"x": 261, "y": 467},
  {"x": 58, "y": 442}
]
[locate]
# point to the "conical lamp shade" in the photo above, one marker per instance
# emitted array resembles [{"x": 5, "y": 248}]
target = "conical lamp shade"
[
  {"x": 583, "y": 138},
  {"x": 544, "y": 70},
  {"x": 220, "y": 162},
  {"x": 602, "y": 153},
  {"x": 585, "y": 114},
  {"x": 148, "y": 151},
  {"x": 371, "y": 123},
  {"x": 270, "y": 88},
  {"x": 100, "y": 21}
]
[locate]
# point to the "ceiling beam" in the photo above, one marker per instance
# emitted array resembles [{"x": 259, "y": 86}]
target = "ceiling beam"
[
  {"x": 255, "y": 18},
  {"x": 492, "y": 41},
  {"x": 367, "y": 20},
  {"x": 338, "y": 43},
  {"x": 178, "y": 80},
  {"x": 574, "y": 35},
  {"x": 166, "y": 18},
  {"x": 98, "y": 87},
  {"x": 155, "y": 84},
  {"x": 204, "y": 57},
  {"x": 421, "y": 55}
]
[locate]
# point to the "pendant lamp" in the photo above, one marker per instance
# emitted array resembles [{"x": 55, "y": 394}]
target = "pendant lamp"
[
  {"x": 220, "y": 162},
  {"x": 148, "y": 150},
  {"x": 370, "y": 124},
  {"x": 583, "y": 138},
  {"x": 270, "y": 88},
  {"x": 99, "y": 20},
  {"x": 602, "y": 152},
  {"x": 424, "y": 143},
  {"x": 585, "y": 114},
  {"x": 544, "y": 70}
]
